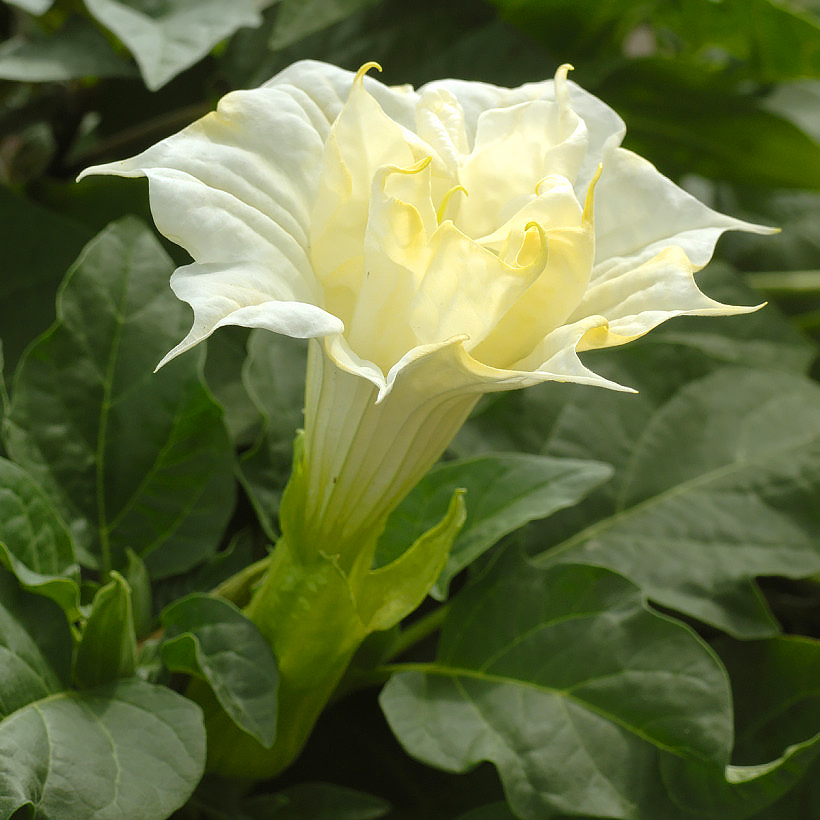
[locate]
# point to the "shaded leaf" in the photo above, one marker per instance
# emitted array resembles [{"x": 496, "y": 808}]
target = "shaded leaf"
[
  {"x": 681, "y": 119},
  {"x": 495, "y": 811},
  {"x": 504, "y": 492},
  {"x": 35, "y": 543},
  {"x": 166, "y": 38},
  {"x": 718, "y": 488},
  {"x": 76, "y": 49},
  {"x": 315, "y": 801},
  {"x": 35, "y": 647},
  {"x": 108, "y": 647},
  {"x": 274, "y": 377},
  {"x": 133, "y": 459},
  {"x": 565, "y": 681},
  {"x": 298, "y": 18},
  {"x": 210, "y": 639},
  {"x": 31, "y": 268},
  {"x": 141, "y": 747}
]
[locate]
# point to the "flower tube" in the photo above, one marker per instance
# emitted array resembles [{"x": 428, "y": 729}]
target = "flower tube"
[{"x": 433, "y": 245}]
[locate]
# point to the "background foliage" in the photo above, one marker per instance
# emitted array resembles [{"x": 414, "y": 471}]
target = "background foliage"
[{"x": 629, "y": 618}]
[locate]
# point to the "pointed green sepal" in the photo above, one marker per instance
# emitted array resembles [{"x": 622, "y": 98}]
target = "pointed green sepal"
[{"x": 386, "y": 595}]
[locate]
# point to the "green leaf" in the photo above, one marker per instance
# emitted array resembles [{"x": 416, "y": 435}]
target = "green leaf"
[
  {"x": 227, "y": 354},
  {"x": 35, "y": 647},
  {"x": 315, "y": 801},
  {"x": 33, "y": 6},
  {"x": 771, "y": 41},
  {"x": 776, "y": 692},
  {"x": 132, "y": 459},
  {"x": 77, "y": 49},
  {"x": 715, "y": 490},
  {"x": 139, "y": 582},
  {"x": 764, "y": 339},
  {"x": 32, "y": 269},
  {"x": 775, "y": 685},
  {"x": 738, "y": 792},
  {"x": 564, "y": 680},
  {"x": 128, "y": 750},
  {"x": 390, "y": 593},
  {"x": 108, "y": 647},
  {"x": 166, "y": 38},
  {"x": 36, "y": 545},
  {"x": 494, "y": 811},
  {"x": 274, "y": 377},
  {"x": 504, "y": 492},
  {"x": 210, "y": 639},
  {"x": 298, "y": 18},
  {"x": 680, "y": 118}
]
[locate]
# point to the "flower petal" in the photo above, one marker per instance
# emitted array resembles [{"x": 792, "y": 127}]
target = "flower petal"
[
  {"x": 244, "y": 295},
  {"x": 515, "y": 148},
  {"x": 235, "y": 189},
  {"x": 639, "y": 299},
  {"x": 638, "y": 212},
  {"x": 328, "y": 87},
  {"x": 362, "y": 140},
  {"x": 605, "y": 129},
  {"x": 396, "y": 254}
]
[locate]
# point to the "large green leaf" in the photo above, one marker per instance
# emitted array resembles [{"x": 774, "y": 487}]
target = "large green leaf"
[
  {"x": 565, "y": 681},
  {"x": 108, "y": 648},
  {"x": 504, "y": 492},
  {"x": 34, "y": 542},
  {"x": 129, "y": 750},
  {"x": 718, "y": 486},
  {"x": 166, "y": 38},
  {"x": 684, "y": 121},
  {"x": 132, "y": 459},
  {"x": 77, "y": 49},
  {"x": 210, "y": 639},
  {"x": 33, "y": 6}
]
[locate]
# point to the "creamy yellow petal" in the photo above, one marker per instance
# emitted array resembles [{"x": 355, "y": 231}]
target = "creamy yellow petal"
[
  {"x": 640, "y": 299},
  {"x": 396, "y": 255}
]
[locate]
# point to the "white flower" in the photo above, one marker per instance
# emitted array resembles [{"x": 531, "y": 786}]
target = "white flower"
[{"x": 441, "y": 243}]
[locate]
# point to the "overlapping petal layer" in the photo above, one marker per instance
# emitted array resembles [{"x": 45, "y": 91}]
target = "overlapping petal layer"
[{"x": 391, "y": 222}]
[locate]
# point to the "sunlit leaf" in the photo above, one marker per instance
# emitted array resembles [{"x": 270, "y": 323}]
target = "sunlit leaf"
[{"x": 168, "y": 37}]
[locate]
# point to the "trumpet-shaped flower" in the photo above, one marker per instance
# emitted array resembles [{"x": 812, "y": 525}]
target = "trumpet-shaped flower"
[
  {"x": 438, "y": 244},
  {"x": 434, "y": 245}
]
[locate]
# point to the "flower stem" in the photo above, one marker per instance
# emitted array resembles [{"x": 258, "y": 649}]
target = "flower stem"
[{"x": 418, "y": 631}]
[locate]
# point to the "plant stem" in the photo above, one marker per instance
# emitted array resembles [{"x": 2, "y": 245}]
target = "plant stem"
[{"x": 418, "y": 631}]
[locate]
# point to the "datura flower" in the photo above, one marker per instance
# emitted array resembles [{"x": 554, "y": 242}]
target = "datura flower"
[
  {"x": 434, "y": 245},
  {"x": 438, "y": 243}
]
